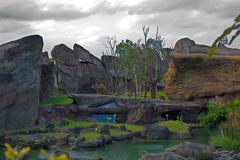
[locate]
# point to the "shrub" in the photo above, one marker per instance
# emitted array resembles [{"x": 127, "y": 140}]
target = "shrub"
[
  {"x": 215, "y": 116},
  {"x": 225, "y": 142}
]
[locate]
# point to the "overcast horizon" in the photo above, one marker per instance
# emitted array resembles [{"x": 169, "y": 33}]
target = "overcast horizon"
[{"x": 88, "y": 23}]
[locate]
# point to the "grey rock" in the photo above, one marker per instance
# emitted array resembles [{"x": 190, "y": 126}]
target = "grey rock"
[
  {"x": 193, "y": 150},
  {"x": 184, "y": 45},
  {"x": 48, "y": 86},
  {"x": 105, "y": 129},
  {"x": 162, "y": 156},
  {"x": 155, "y": 132},
  {"x": 79, "y": 72},
  {"x": 20, "y": 72}
]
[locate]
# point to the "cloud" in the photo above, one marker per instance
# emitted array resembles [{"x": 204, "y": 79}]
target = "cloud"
[{"x": 33, "y": 11}]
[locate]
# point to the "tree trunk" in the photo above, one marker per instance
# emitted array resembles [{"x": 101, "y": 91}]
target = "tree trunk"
[{"x": 153, "y": 90}]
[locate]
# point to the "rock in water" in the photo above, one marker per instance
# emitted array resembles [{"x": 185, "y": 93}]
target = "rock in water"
[{"x": 20, "y": 72}]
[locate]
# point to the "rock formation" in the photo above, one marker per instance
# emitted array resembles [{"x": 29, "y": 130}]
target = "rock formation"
[
  {"x": 78, "y": 71},
  {"x": 20, "y": 72},
  {"x": 48, "y": 86},
  {"x": 193, "y": 76}
]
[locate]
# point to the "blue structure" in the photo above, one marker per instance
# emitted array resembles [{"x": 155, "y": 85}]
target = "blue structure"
[{"x": 105, "y": 118}]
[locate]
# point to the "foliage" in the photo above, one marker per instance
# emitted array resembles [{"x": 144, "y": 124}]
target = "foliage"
[
  {"x": 12, "y": 154},
  {"x": 57, "y": 100},
  {"x": 216, "y": 115},
  {"x": 91, "y": 136},
  {"x": 117, "y": 132},
  {"x": 229, "y": 30},
  {"x": 175, "y": 126},
  {"x": 225, "y": 142},
  {"x": 74, "y": 124}
]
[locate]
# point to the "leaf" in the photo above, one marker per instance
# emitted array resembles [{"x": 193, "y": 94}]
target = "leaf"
[
  {"x": 10, "y": 153},
  {"x": 23, "y": 152},
  {"x": 235, "y": 36}
]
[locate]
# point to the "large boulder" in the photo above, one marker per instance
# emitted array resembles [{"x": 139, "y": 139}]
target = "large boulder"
[
  {"x": 194, "y": 76},
  {"x": 193, "y": 150},
  {"x": 86, "y": 56},
  {"x": 186, "y": 151},
  {"x": 20, "y": 72},
  {"x": 155, "y": 132},
  {"x": 79, "y": 72},
  {"x": 48, "y": 86},
  {"x": 162, "y": 156},
  {"x": 111, "y": 64}
]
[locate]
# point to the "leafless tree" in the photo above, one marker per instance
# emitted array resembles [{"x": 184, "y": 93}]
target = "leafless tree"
[{"x": 110, "y": 46}]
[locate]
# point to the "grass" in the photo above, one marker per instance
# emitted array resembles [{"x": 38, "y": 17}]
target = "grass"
[
  {"x": 159, "y": 95},
  {"x": 91, "y": 136},
  {"x": 225, "y": 142},
  {"x": 117, "y": 132},
  {"x": 175, "y": 126},
  {"x": 74, "y": 124},
  {"x": 27, "y": 137},
  {"x": 130, "y": 127},
  {"x": 57, "y": 100}
]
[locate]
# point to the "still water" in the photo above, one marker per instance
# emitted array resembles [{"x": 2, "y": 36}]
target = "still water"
[{"x": 130, "y": 150}]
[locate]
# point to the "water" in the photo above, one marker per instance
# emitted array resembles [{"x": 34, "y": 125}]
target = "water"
[
  {"x": 105, "y": 118},
  {"x": 130, "y": 150}
]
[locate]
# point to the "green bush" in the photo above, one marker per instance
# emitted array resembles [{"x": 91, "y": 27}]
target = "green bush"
[
  {"x": 215, "y": 116},
  {"x": 225, "y": 142}
]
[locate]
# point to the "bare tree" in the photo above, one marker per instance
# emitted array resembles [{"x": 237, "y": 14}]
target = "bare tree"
[{"x": 110, "y": 46}]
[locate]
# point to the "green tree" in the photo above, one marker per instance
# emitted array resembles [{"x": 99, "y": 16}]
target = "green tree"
[{"x": 131, "y": 64}]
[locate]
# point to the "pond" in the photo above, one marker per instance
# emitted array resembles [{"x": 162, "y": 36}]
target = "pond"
[{"x": 130, "y": 150}]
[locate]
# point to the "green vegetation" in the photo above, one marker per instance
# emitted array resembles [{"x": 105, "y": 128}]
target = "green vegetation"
[
  {"x": 223, "y": 120},
  {"x": 216, "y": 115},
  {"x": 235, "y": 27},
  {"x": 130, "y": 127},
  {"x": 91, "y": 136},
  {"x": 74, "y": 124},
  {"x": 159, "y": 95},
  {"x": 175, "y": 126},
  {"x": 225, "y": 142},
  {"x": 117, "y": 132},
  {"x": 57, "y": 100}
]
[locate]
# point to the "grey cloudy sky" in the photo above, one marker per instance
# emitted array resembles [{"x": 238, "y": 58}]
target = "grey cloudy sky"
[{"x": 89, "y": 22}]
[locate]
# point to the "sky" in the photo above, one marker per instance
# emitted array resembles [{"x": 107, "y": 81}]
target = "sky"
[{"x": 89, "y": 22}]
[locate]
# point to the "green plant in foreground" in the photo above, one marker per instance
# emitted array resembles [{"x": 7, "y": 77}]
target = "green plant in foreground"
[
  {"x": 229, "y": 30},
  {"x": 13, "y": 154}
]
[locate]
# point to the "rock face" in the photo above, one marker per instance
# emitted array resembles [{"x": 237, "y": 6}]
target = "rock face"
[
  {"x": 192, "y": 76},
  {"x": 48, "y": 86},
  {"x": 111, "y": 64},
  {"x": 20, "y": 72},
  {"x": 79, "y": 72},
  {"x": 186, "y": 151}
]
